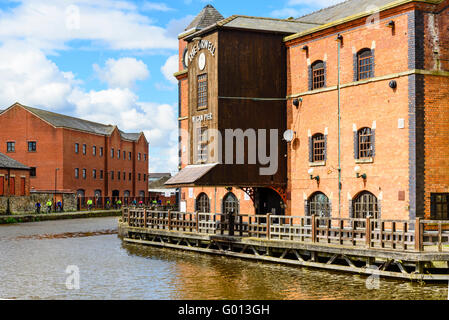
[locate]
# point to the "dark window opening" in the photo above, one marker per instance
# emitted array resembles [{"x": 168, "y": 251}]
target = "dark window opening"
[
  {"x": 318, "y": 74},
  {"x": 318, "y": 148},
  {"x": 365, "y": 64},
  {"x": 31, "y": 146}
]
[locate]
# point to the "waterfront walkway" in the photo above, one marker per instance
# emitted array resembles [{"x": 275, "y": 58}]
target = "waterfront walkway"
[
  {"x": 417, "y": 249},
  {"x": 9, "y": 219}
]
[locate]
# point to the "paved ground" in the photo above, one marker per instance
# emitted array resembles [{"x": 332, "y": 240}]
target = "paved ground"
[{"x": 57, "y": 216}]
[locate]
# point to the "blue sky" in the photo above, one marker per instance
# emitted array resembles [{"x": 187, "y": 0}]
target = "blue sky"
[{"x": 110, "y": 61}]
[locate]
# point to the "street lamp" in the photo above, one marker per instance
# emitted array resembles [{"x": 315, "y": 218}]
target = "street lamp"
[{"x": 56, "y": 180}]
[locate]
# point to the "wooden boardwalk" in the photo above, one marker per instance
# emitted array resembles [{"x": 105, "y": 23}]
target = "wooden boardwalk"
[{"x": 416, "y": 250}]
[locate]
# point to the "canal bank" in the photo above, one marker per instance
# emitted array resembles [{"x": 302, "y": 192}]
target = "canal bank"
[{"x": 25, "y": 218}]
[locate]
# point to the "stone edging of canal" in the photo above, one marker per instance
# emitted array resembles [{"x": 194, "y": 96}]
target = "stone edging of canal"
[{"x": 11, "y": 219}]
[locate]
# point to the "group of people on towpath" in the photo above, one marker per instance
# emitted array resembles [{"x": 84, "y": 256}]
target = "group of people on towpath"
[{"x": 49, "y": 206}]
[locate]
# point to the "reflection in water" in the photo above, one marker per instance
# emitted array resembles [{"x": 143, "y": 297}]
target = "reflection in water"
[{"x": 35, "y": 256}]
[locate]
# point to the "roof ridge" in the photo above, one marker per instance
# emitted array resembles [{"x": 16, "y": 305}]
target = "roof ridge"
[
  {"x": 325, "y": 8},
  {"x": 66, "y": 116},
  {"x": 268, "y": 18}
]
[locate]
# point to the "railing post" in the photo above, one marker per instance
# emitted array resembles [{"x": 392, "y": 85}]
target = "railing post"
[
  {"x": 129, "y": 213},
  {"x": 418, "y": 235},
  {"x": 313, "y": 229},
  {"x": 368, "y": 232},
  {"x": 144, "y": 218},
  {"x": 169, "y": 220},
  {"x": 268, "y": 227},
  {"x": 197, "y": 218}
]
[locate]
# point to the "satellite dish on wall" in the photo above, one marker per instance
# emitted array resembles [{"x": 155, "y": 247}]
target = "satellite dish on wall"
[{"x": 289, "y": 135}]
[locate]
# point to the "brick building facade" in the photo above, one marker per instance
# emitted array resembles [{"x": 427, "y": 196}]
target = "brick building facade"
[
  {"x": 70, "y": 154},
  {"x": 366, "y": 100},
  {"x": 14, "y": 177}
]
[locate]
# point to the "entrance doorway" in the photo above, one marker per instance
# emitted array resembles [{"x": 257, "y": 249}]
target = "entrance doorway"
[{"x": 268, "y": 201}]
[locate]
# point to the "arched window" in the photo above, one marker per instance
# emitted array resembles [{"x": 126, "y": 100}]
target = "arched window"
[
  {"x": 365, "y": 205},
  {"x": 365, "y": 64},
  {"x": 319, "y": 205},
  {"x": 202, "y": 204},
  {"x": 318, "y": 75},
  {"x": 365, "y": 143},
  {"x": 231, "y": 204},
  {"x": 318, "y": 148},
  {"x": 81, "y": 194}
]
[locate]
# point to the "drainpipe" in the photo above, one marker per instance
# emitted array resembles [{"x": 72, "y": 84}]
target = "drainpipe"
[{"x": 339, "y": 42}]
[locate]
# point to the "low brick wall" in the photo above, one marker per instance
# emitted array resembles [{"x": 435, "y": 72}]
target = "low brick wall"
[
  {"x": 26, "y": 204},
  {"x": 58, "y": 216}
]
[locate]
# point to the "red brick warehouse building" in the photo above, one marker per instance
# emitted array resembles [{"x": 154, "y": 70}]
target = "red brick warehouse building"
[
  {"x": 14, "y": 177},
  {"x": 71, "y": 154},
  {"x": 364, "y": 88}
]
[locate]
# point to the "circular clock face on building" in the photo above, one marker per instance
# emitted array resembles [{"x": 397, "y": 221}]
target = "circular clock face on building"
[
  {"x": 202, "y": 61},
  {"x": 185, "y": 58}
]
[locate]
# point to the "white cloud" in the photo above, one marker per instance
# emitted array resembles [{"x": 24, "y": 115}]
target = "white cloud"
[
  {"x": 177, "y": 26},
  {"x": 156, "y": 6},
  {"x": 28, "y": 77},
  {"x": 122, "y": 73},
  {"x": 170, "y": 67},
  {"x": 50, "y": 25}
]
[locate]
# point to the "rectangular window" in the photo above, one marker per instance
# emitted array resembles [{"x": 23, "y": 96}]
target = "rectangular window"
[
  {"x": 84, "y": 149},
  {"x": 365, "y": 143},
  {"x": 145, "y": 157},
  {"x": 112, "y": 153},
  {"x": 439, "y": 203},
  {"x": 11, "y": 147},
  {"x": 130, "y": 176},
  {"x": 94, "y": 150},
  {"x": 202, "y": 145},
  {"x": 77, "y": 148},
  {"x": 33, "y": 172},
  {"x": 32, "y": 146},
  {"x": 124, "y": 155},
  {"x": 118, "y": 154},
  {"x": 139, "y": 176},
  {"x": 101, "y": 174},
  {"x": 138, "y": 156},
  {"x": 119, "y": 175},
  {"x": 94, "y": 174},
  {"x": 77, "y": 173},
  {"x": 144, "y": 177},
  {"x": 84, "y": 173},
  {"x": 318, "y": 145},
  {"x": 124, "y": 176},
  {"x": 129, "y": 155},
  {"x": 202, "y": 91},
  {"x": 318, "y": 75},
  {"x": 101, "y": 151},
  {"x": 112, "y": 175}
]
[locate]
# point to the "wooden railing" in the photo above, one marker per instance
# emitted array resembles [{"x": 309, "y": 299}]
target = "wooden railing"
[{"x": 399, "y": 235}]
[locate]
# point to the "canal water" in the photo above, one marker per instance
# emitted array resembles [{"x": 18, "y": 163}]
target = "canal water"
[{"x": 34, "y": 258}]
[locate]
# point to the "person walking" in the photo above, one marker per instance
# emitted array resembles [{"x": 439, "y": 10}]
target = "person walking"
[
  {"x": 38, "y": 207},
  {"x": 119, "y": 204},
  {"x": 49, "y": 204},
  {"x": 89, "y": 204}
]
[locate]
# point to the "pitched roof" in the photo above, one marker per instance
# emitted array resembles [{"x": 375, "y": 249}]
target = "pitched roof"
[
  {"x": 266, "y": 24},
  {"x": 158, "y": 175},
  {"x": 343, "y": 10},
  {"x": 62, "y": 121},
  {"x": 208, "y": 16},
  {"x": 10, "y": 163}
]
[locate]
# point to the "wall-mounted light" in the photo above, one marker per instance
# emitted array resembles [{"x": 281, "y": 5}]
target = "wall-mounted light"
[
  {"x": 317, "y": 178},
  {"x": 339, "y": 38},
  {"x": 357, "y": 173},
  {"x": 296, "y": 102},
  {"x": 305, "y": 48},
  {"x": 391, "y": 24},
  {"x": 393, "y": 84}
]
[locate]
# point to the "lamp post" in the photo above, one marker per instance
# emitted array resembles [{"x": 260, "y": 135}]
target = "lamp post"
[{"x": 56, "y": 180}]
